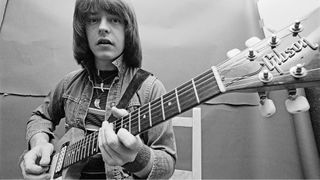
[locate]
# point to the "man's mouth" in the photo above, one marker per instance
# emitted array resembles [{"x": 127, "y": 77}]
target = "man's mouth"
[{"x": 104, "y": 42}]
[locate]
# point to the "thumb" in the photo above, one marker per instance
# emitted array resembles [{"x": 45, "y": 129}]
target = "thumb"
[{"x": 118, "y": 113}]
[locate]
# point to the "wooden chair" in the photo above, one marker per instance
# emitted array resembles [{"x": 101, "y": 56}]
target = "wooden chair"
[{"x": 193, "y": 122}]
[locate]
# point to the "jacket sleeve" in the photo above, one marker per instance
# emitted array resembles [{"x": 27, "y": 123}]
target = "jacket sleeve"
[
  {"x": 160, "y": 145},
  {"x": 48, "y": 115}
]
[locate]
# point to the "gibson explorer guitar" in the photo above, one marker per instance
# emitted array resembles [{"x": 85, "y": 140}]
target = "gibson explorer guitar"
[{"x": 286, "y": 60}]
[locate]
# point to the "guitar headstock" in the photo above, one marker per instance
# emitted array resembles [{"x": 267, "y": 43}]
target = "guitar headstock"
[{"x": 287, "y": 59}]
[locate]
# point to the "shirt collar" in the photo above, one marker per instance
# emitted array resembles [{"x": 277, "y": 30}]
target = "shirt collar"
[{"x": 120, "y": 65}]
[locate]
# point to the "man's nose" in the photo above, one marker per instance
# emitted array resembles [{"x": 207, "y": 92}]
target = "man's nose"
[{"x": 104, "y": 26}]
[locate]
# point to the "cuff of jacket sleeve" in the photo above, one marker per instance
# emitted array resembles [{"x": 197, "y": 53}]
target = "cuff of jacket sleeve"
[
  {"x": 31, "y": 134},
  {"x": 142, "y": 159}
]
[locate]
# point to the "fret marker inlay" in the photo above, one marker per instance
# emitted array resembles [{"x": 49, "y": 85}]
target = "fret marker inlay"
[{"x": 195, "y": 91}]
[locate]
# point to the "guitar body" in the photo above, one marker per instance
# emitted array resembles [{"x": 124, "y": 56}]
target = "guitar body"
[{"x": 72, "y": 172}]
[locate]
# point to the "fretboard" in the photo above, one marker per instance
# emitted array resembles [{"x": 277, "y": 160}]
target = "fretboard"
[{"x": 177, "y": 101}]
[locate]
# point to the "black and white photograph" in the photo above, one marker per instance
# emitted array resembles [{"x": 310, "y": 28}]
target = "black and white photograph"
[{"x": 159, "y": 89}]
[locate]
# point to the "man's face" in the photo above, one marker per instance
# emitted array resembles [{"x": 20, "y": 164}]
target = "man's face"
[{"x": 106, "y": 37}]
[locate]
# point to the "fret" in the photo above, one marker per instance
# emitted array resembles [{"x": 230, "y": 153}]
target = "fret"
[
  {"x": 130, "y": 122},
  {"x": 77, "y": 151},
  {"x": 139, "y": 120},
  {"x": 82, "y": 149},
  {"x": 71, "y": 154},
  {"x": 93, "y": 141},
  {"x": 97, "y": 145},
  {"x": 89, "y": 144},
  {"x": 195, "y": 91},
  {"x": 186, "y": 96},
  {"x": 150, "y": 121},
  {"x": 162, "y": 108},
  {"x": 177, "y": 98},
  {"x": 66, "y": 159},
  {"x": 75, "y": 148},
  {"x": 85, "y": 147},
  {"x": 121, "y": 122}
]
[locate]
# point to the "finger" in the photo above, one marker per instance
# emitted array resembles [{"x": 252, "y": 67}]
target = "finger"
[
  {"x": 109, "y": 155},
  {"x": 128, "y": 140},
  {"x": 112, "y": 139},
  {"x": 118, "y": 113},
  {"x": 46, "y": 155},
  {"x": 33, "y": 177},
  {"x": 30, "y": 163},
  {"x": 106, "y": 156}
]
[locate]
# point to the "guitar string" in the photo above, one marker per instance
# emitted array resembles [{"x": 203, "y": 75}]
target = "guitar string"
[
  {"x": 283, "y": 30},
  {"x": 285, "y": 35},
  {"x": 93, "y": 141},
  {"x": 186, "y": 85},
  {"x": 92, "y": 138},
  {"x": 124, "y": 121},
  {"x": 183, "y": 87},
  {"x": 286, "y": 74}
]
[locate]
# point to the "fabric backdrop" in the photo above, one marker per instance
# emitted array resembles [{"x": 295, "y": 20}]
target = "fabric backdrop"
[{"x": 180, "y": 39}]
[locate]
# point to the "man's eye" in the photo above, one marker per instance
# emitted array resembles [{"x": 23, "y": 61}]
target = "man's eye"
[
  {"x": 93, "y": 20},
  {"x": 115, "y": 21}
]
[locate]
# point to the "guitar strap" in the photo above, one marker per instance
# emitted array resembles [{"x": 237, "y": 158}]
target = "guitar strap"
[{"x": 136, "y": 82}]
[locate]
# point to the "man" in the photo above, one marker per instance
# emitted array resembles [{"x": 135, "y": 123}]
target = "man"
[{"x": 107, "y": 45}]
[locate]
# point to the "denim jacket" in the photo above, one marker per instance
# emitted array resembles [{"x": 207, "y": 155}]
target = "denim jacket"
[{"x": 70, "y": 99}]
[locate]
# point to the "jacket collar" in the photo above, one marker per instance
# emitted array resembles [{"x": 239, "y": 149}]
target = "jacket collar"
[{"x": 90, "y": 68}]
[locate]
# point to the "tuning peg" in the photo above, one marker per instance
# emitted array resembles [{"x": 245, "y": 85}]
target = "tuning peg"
[
  {"x": 298, "y": 71},
  {"x": 267, "y": 107},
  {"x": 265, "y": 76},
  {"x": 296, "y": 28},
  {"x": 296, "y": 103},
  {"x": 252, "y": 41},
  {"x": 274, "y": 41},
  {"x": 232, "y": 53},
  {"x": 251, "y": 55}
]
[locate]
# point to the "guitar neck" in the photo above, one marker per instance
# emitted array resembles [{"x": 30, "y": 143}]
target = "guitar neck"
[{"x": 190, "y": 94}]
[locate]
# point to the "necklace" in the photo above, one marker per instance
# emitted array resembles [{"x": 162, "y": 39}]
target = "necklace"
[{"x": 108, "y": 78}]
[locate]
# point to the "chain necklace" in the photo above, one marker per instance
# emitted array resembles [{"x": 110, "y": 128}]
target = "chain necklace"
[{"x": 110, "y": 76}]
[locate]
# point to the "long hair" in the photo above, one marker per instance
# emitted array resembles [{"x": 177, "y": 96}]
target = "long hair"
[{"x": 132, "y": 53}]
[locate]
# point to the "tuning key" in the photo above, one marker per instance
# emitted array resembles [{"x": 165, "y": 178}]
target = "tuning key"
[
  {"x": 296, "y": 28},
  {"x": 274, "y": 41},
  {"x": 296, "y": 103},
  {"x": 252, "y": 41},
  {"x": 298, "y": 71},
  {"x": 251, "y": 55},
  {"x": 232, "y": 53},
  {"x": 267, "y": 107},
  {"x": 265, "y": 76}
]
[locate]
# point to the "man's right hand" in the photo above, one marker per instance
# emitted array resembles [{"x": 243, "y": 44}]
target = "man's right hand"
[{"x": 31, "y": 167}]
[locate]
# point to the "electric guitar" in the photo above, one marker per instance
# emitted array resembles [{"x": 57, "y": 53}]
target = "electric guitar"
[{"x": 286, "y": 60}]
